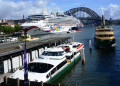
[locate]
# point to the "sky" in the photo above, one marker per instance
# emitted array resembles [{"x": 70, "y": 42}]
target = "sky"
[{"x": 15, "y": 9}]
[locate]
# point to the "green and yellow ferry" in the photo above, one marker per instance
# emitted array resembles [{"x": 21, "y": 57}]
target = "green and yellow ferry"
[{"x": 104, "y": 37}]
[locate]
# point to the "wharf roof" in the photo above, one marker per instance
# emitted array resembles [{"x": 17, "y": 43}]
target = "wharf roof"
[{"x": 7, "y": 49}]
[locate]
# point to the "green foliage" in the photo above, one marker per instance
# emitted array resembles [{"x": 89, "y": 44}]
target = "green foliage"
[
  {"x": 9, "y": 29},
  {"x": 17, "y": 28}
]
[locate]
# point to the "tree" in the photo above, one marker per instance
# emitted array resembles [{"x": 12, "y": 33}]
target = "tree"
[
  {"x": 17, "y": 27},
  {"x": 8, "y": 29}
]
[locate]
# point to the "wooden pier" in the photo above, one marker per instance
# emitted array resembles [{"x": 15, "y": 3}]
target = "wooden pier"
[{"x": 17, "y": 82}]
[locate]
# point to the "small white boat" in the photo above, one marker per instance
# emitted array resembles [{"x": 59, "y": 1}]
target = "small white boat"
[{"x": 52, "y": 63}]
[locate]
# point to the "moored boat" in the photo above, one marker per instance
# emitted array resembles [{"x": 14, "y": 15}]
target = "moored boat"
[
  {"x": 104, "y": 37},
  {"x": 26, "y": 38},
  {"x": 52, "y": 63},
  {"x": 50, "y": 23},
  {"x": 76, "y": 29}
]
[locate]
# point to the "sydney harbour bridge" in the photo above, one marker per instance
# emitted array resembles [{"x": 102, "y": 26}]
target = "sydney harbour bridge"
[{"x": 86, "y": 15}]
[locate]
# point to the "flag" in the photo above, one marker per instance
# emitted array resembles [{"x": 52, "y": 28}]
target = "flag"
[{"x": 25, "y": 68}]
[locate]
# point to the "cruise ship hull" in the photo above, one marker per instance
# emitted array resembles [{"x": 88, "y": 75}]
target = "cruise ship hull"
[
  {"x": 50, "y": 23},
  {"x": 105, "y": 44},
  {"x": 56, "y": 29},
  {"x": 37, "y": 32},
  {"x": 47, "y": 30}
]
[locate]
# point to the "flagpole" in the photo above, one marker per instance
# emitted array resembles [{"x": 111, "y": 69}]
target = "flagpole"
[{"x": 25, "y": 63}]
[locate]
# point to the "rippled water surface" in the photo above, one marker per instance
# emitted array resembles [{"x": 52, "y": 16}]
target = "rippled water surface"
[{"x": 102, "y": 67}]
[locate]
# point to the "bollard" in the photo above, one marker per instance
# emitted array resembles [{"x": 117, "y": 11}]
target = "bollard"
[
  {"x": 41, "y": 83},
  {"x": 5, "y": 79},
  {"x": 58, "y": 84},
  {"x": 83, "y": 56},
  {"x": 28, "y": 82},
  {"x": 90, "y": 45},
  {"x": 18, "y": 82}
]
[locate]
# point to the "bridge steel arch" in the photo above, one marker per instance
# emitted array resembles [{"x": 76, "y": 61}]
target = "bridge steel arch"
[{"x": 93, "y": 15}]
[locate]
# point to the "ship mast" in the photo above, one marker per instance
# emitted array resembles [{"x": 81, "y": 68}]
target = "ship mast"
[{"x": 103, "y": 21}]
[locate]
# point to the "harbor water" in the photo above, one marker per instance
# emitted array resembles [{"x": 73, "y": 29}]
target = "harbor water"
[{"x": 102, "y": 67}]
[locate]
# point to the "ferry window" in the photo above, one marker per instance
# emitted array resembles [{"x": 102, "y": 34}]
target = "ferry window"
[
  {"x": 53, "y": 53},
  {"x": 47, "y": 76},
  {"x": 78, "y": 45},
  {"x": 44, "y": 53},
  {"x": 74, "y": 46},
  {"x": 39, "y": 67},
  {"x": 110, "y": 35},
  {"x": 61, "y": 64},
  {"x": 105, "y": 30},
  {"x": 53, "y": 71},
  {"x": 100, "y": 35},
  {"x": 67, "y": 49},
  {"x": 105, "y": 35}
]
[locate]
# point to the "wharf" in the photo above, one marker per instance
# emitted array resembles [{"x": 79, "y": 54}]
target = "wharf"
[
  {"x": 12, "y": 57},
  {"x": 16, "y": 46},
  {"x": 3, "y": 75},
  {"x": 12, "y": 54}
]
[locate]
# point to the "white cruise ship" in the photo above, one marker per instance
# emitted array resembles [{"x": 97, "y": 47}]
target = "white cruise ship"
[{"x": 50, "y": 23}]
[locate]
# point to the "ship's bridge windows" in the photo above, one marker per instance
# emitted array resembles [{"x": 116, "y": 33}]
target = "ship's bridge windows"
[
  {"x": 103, "y": 30},
  {"x": 39, "y": 67},
  {"x": 61, "y": 53},
  {"x": 106, "y": 35}
]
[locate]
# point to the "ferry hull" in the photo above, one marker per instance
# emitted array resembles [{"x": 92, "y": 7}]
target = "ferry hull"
[
  {"x": 105, "y": 44},
  {"x": 76, "y": 59}
]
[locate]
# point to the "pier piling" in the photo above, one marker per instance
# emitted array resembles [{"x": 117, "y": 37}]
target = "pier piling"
[
  {"x": 41, "y": 83},
  {"x": 58, "y": 84},
  {"x": 5, "y": 79},
  {"x": 73, "y": 39},
  {"x": 90, "y": 45},
  {"x": 18, "y": 82},
  {"x": 28, "y": 82},
  {"x": 83, "y": 56}
]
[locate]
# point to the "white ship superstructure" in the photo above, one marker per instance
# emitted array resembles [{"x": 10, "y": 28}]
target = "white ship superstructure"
[{"x": 50, "y": 23}]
